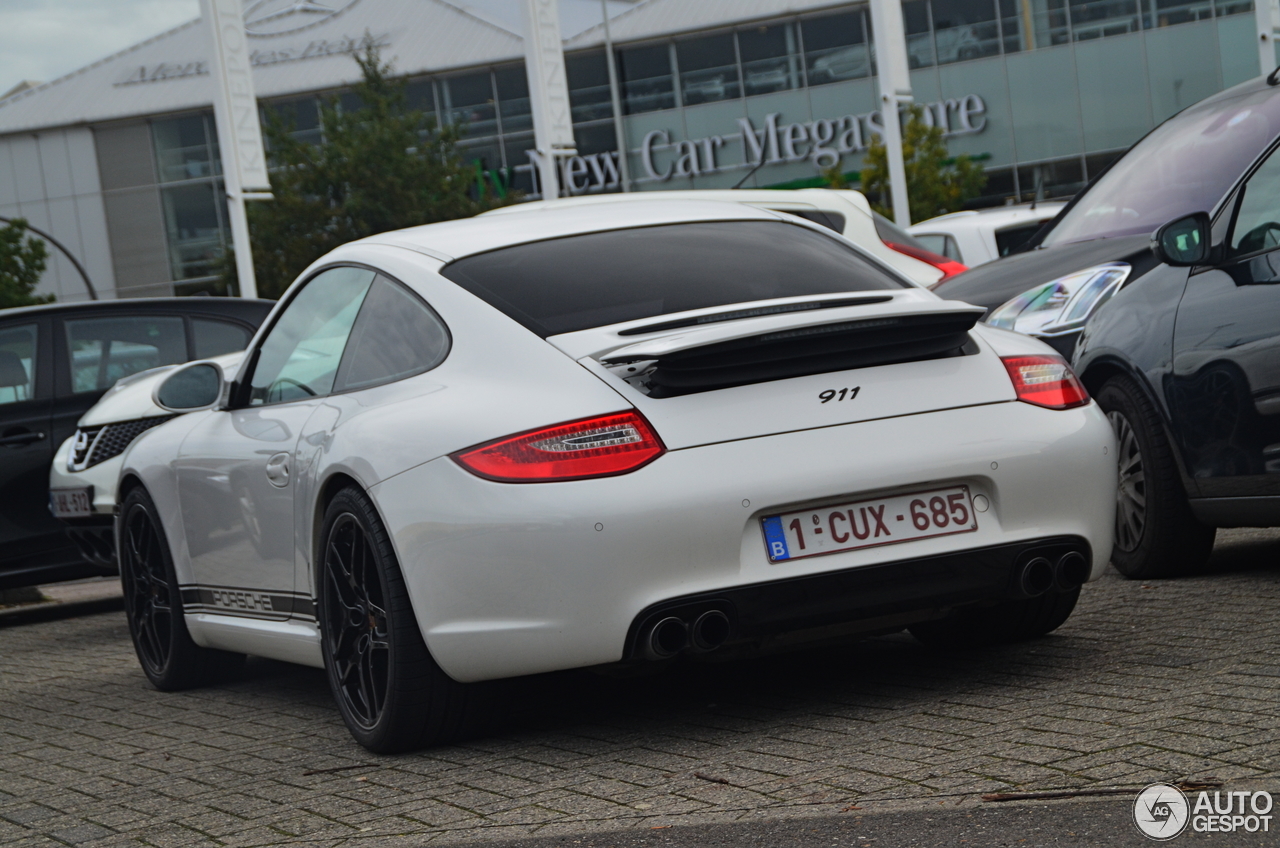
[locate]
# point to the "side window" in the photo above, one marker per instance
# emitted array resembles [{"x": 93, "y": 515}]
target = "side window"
[
  {"x": 299, "y": 357},
  {"x": 395, "y": 336},
  {"x": 1012, "y": 238},
  {"x": 943, "y": 245},
  {"x": 103, "y": 350},
  {"x": 1257, "y": 225},
  {"x": 17, "y": 363},
  {"x": 214, "y": 338}
]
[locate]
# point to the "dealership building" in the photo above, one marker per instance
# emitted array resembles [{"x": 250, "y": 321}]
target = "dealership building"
[{"x": 119, "y": 160}]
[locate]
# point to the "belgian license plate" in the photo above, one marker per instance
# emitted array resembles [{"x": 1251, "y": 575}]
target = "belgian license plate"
[
  {"x": 72, "y": 503},
  {"x": 868, "y": 524}
]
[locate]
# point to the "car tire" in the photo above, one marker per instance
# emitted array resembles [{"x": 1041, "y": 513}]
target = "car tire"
[
  {"x": 392, "y": 695},
  {"x": 1007, "y": 621},
  {"x": 1156, "y": 534},
  {"x": 153, "y": 603}
]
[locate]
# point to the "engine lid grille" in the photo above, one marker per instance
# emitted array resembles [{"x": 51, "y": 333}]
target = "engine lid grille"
[{"x": 803, "y": 351}]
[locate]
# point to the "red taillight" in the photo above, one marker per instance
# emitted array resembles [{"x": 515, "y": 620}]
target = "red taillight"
[
  {"x": 1046, "y": 381},
  {"x": 948, "y": 267},
  {"x": 593, "y": 447}
]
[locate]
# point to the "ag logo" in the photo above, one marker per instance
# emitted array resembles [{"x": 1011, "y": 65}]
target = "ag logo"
[
  {"x": 281, "y": 17},
  {"x": 1161, "y": 811}
]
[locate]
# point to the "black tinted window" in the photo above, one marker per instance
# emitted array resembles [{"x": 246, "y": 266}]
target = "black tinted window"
[
  {"x": 1187, "y": 164},
  {"x": 591, "y": 280},
  {"x": 395, "y": 335},
  {"x": 214, "y": 338},
  {"x": 891, "y": 233},
  {"x": 105, "y": 349},
  {"x": 17, "y": 363},
  {"x": 1013, "y": 238}
]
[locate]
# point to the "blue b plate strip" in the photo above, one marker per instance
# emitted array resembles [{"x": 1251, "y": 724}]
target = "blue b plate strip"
[{"x": 775, "y": 539}]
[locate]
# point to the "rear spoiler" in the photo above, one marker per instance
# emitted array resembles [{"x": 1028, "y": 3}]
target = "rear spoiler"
[{"x": 796, "y": 344}]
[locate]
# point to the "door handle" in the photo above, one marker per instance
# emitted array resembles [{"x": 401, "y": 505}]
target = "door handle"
[
  {"x": 17, "y": 440},
  {"x": 278, "y": 470}
]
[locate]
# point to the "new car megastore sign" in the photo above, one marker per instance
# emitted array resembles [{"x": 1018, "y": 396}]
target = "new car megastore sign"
[{"x": 821, "y": 142}]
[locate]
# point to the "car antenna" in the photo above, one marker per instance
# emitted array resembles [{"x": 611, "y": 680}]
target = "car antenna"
[
  {"x": 1035, "y": 198},
  {"x": 1273, "y": 78},
  {"x": 750, "y": 173}
]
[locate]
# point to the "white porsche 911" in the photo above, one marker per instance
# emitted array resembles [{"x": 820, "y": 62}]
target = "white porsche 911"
[{"x": 600, "y": 435}]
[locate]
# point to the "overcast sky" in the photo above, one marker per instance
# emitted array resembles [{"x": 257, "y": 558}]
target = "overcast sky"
[{"x": 44, "y": 39}]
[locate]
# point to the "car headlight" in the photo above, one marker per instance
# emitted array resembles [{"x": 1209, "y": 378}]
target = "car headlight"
[{"x": 1062, "y": 305}]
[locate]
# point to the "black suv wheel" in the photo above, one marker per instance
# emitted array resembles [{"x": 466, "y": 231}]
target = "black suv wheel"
[{"x": 1156, "y": 535}]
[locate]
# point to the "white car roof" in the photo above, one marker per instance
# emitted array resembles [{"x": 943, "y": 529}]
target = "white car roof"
[
  {"x": 996, "y": 218},
  {"x": 451, "y": 240},
  {"x": 805, "y": 198}
]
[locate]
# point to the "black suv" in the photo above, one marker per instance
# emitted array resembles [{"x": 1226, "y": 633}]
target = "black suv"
[
  {"x": 55, "y": 362},
  {"x": 1161, "y": 280}
]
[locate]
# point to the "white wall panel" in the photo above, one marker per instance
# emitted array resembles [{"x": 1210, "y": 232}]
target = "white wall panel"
[
  {"x": 26, "y": 168},
  {"x": 83, "y": 159},
  {"x": 54, "y": 165},
  {"x": 64, "y": 226},
  {"x": 8, "y": 188},
  {"x": 96, "y": 255}
]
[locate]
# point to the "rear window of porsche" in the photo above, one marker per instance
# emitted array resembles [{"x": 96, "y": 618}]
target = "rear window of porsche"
[{"x": 593, "y": 280}]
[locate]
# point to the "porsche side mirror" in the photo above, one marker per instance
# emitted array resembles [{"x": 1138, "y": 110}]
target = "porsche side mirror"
[
  {"x": 1183, "y": 241},
  {"x": 194, "y": 386}
]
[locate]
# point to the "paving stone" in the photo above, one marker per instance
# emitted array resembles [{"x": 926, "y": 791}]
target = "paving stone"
[{"x": 1141, "y": 684}]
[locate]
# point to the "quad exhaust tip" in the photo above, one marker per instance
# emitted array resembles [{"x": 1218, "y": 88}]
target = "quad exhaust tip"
[
  {"x": 1070, "y": 571},
  {"x": 1036, "y": 577},
  {"x": 1061, "y": 573},
  {"x": 710, "y": 630},
  {"x": 672, "y": 634},
  {"x": 668, "y": 637}
]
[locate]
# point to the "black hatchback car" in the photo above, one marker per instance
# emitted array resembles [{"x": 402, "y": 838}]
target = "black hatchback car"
[
  {"x": 55, "y": 362},
  {"x": 1161, "y": 281}
]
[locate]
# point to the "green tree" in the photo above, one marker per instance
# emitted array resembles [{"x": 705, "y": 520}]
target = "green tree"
[
  {"x": 937, "y": 183},
  {"x": 22, "y": 261},
  {"x": 383, "y": 166}
]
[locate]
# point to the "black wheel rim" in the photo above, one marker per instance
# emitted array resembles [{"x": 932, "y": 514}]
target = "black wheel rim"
[
  {"x": 1131, "y": 491},
  {"x": 148, "y": 595},
  {"x": 357, "y": 636}
]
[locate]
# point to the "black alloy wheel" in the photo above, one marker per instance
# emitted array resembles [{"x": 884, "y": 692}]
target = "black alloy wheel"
[
  {"x": 357, "y": 642},
  {"x": 153, "y": 603},
  {"x": 146, "y": 589},
  {"x": 392, "y": 695},
  {"x": 1156, "y": 534}
]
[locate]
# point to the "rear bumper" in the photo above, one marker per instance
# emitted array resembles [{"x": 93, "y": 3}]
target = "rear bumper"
[
  {"x": 512, "y": 579},
  {"x": 875, "y": 597}
]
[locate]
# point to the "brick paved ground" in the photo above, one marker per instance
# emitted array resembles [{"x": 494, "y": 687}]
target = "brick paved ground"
[{"x": 1146, "y": 682}]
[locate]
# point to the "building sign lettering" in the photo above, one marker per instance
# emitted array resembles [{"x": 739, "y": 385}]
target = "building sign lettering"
[
  {"x": 822, "y": 142},
  {"x": 317, "y": 49}
]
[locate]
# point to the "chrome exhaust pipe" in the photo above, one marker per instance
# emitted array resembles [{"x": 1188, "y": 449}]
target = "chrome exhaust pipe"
[
  {"x": 1070, "y": 571},
  {"x": 667, "y": 638},
  {"x": 710, "y": 630},
  {"x": 1036, "y": 577}
]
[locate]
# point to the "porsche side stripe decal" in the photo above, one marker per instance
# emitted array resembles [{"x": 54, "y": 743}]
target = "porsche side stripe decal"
[{"x": 248, "y": 603}]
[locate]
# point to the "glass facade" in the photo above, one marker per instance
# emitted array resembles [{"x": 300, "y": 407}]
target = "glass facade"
[
  {"x": 192, "y": 200},
  {"x": 1046, "y": 93}
]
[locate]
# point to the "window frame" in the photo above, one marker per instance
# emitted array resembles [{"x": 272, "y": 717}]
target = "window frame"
[
  {"x": 344, "y": 361},
  {"x": 238, "y": 396},
  {"x": 41, "y": 388},
  {"x": 61, "y": 370},
  {"x": 1236, "y": 201}
]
